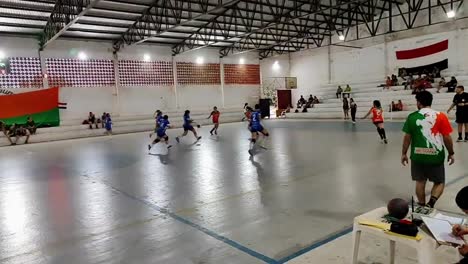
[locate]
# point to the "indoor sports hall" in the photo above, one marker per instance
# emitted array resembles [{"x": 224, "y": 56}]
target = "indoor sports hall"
[{"x": 233, "y": 131}]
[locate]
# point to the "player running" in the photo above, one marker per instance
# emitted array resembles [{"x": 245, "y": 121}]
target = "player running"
[
  {"x": 378, "y": 119},
  {"x": 215, "y": 114},
  {"x": 188, "y": 126},
  {"x": 158, "y": 115},
  {"x": 161, "y": 133},
  {"x": 256, "y": 127}
]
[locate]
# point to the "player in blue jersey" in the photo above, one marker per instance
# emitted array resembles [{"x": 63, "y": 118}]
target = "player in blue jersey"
[
  {"x": 188, "y": 126},
  {"x": 161, "y": 132},
  {"x": 158, "y": 116},
  {"x": 256, "y": 127}
]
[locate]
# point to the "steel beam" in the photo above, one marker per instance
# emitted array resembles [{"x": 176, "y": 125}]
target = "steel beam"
[{"x": 63, "y": 16}]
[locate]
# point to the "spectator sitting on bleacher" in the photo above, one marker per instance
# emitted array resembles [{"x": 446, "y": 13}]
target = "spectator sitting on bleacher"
[
  {"x": 311, "y": 99},
  {"x": 436, "y": 72},
  {"x": 408, "y": 82},
  {"x": 103, "y": 119},
  {"x": 92, "y": 120},
  {"x": 396, "y": 107},
  {"x": 17, "y": 132},
  {"x": 316, "y": 100},
  {"x": 442, "y": 84},
  {"x": 339, "y": 91},
  {"x": 301, "y": 102},
  {"x": 31, "y": 126},
  {"x": 4, "y": 130},
  {"x": 388, "y": 82},
  {"x": 347, "y": 91},
  {"x": 451, "y": 85},
  {"x": 394, "y": 80}
]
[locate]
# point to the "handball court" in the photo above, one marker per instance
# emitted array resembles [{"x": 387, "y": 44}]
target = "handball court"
[{"x": 105, "y": 200}]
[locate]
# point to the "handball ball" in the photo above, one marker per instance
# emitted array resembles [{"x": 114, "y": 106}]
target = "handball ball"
[
  {"x": 198, "y": 126},
  {"x": 398, "y": 208}
]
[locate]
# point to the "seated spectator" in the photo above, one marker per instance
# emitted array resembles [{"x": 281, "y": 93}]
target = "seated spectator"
[
  {"x": 92, "y": 120},
  {"x": 311, "y": 99},
  {"x": 304, "y": 109},
  {"x": 17, "y": 132},
  {"x": 103, "y": 119},
  {"x": 394, "y": 80},
  {"x": 430, "y": 78},
  {"x": 339, "y": 91},
  {"x": 347, "y": 91},
  {"x": 451, "y": 85},
  {"x": 425, "y": 82},
  {"x": 400, "y": 105},
  {"x": 31, "y": 126},
  {"x": 388, "y": 82},
  {"x": 4, "y": 130},
  {"x": 408, "y": 82},
  {"x": 301, "y": 102},
  {"x": 436, "y": 72},
  {"x": 316, "y": 100},
  {"x": 442, "y": 84}
]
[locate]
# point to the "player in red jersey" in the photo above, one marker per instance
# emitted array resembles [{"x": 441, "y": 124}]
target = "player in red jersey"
[
  {"x": 378, "y": 119},
  {"x": 215, "y": 114}
]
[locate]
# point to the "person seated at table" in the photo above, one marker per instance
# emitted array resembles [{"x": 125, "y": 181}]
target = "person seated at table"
[
  {"x": 442, "y": 84},
  {"x": 17, "y": 132},
  {"x": 458, "y": 230},
  {"x": 339, "y": 91},
  {"x": 31, "y": 126}
]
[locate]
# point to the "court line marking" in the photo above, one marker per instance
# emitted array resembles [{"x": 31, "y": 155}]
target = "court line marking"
[
  {"x": 344, "y": 232},
  {"x": 205, "y": 230}
]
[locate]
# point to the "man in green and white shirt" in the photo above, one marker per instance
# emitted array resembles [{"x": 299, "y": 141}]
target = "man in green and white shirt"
[{"x": 428, "y": 132}]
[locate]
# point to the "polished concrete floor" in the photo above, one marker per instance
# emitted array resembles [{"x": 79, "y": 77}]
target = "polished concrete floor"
[{"x": 105, "y": 200}]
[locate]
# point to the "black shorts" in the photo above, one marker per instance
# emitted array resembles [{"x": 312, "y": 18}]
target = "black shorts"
[
  {"x": 378, "y": 122},
  {"x": 424, "y": 172},
  {"x": 461, "y": 116}
]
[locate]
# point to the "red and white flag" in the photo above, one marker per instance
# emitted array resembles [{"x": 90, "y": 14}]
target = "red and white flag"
[{"x": 424, "y": 59}]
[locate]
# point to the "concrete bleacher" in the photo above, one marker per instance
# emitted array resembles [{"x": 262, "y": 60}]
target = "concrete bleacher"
[
  {"x": 366, "y": 92},
  {"x": 72, "y": 128}
]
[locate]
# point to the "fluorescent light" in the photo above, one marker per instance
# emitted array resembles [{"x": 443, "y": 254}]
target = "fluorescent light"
[
  {"x": 341, "y": 37},
  {"x": 82, "y": 56},
  {"x": 241, "y": 60},
  {"x": 199, "y": 60},
  {"x": 451, "y": 14},
  {"x": 146, "y": 57},
  {"x": 276, "y": 65}
]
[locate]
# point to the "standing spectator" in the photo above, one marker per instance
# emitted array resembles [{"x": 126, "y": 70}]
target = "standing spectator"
[
  {"x": 402, "y": 73},
  {"x": 92, "y": 120},
  {"x": 108, "y": 124},
  {"x": 353, "y": 110},
  {"x": 409, "y": 82},
  {"x": 347, "y": 91},
  {"x": 339, "y": 91},
  {"x": 103, "y": 119},
  {"x": 436, "y": 72},
  {"x": 427, "y": 131},
  {"x": 460, "y": 100},
  {"x": 17, "y": 132},
  {"x": 442, "y": 84},
  {"x": 451, "y": 85},
  {"x": 31, "y": 126},
  {"x": 346, "y": 108}
]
